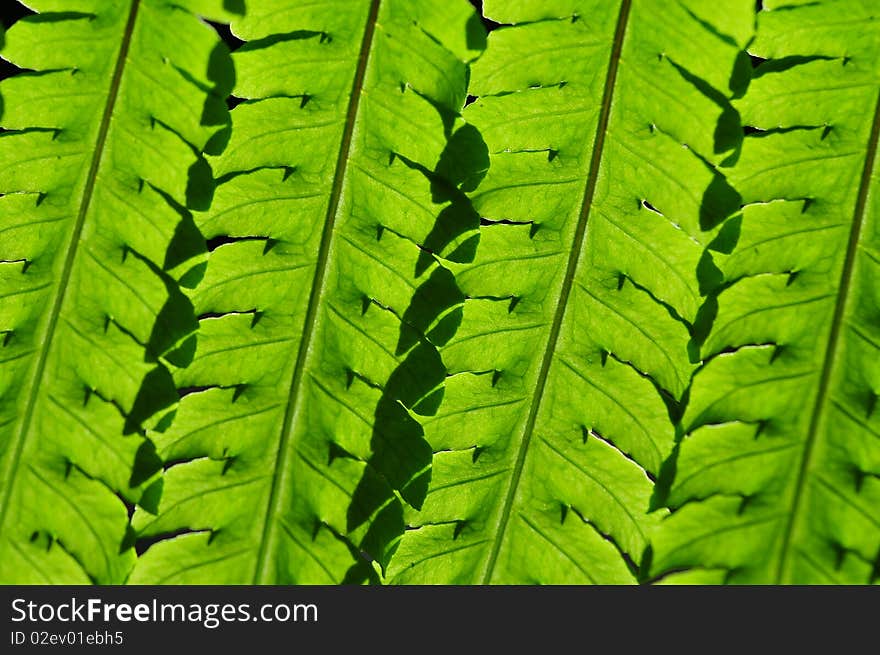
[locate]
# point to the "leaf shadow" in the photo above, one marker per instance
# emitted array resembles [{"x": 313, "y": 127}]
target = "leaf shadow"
[
  {"x": 399, "y": 468},
  {"x": 720, "y": 211},
  {"x": 173, "y": 334}
]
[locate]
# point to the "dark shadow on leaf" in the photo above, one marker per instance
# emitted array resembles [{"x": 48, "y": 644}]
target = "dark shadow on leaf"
[
  {"x": 721, "y": 206},
  {"x": 709, "y": 276},
  {"x": 709, "y": 27},
  {"x": 175, "y": 324},
  {"x": 157, "y": 392},
  {"x": 475, "y": 33},
  {"x": 786, "y": 63},
  {"x": 439, "y": 294},
  {"x": 447, "y": 239},
  {"x": 400, "y": 451},
  {"x": 416, "y": 380},
  {"x": 59, "y": 17},
  {"x": 234, "y": 6},
  {"x": 151, "y": 496},
  {"x": 703, "y": 323},
  {"x": 741, "y": 76},
  {"x": 645, "y": 563},
  {"x": 720, "y": 201},
  {"x": 146, "y": 464},
  {"x": 461, "y": 167},
  {"x": 712, "y": 283},
  {"x": 183, "y": 355},
  {"x": 660, "y": 493},
  {"x": 200, "y": 185},
  {"x": 465, "y": 160},
  {"x": 399, "y": 467},
  {"x": 372, "y": 493},
  {"x": 218, "y": 142},
  {"x": 175, "y": 321},
  {"x": 361, "y": 572},
  {"x": 172, "y": 335},
  {"x": 446, "y": 115},
  {"x": 702, "y": 85},
  {"x": 728, "y": 236},
  {"x": 388, "y": 521},
  {"x": 376, "y": 545},
  {"x": 221, "y": 72},
  {"x": 296, "y": 35},
  {"x": 200, "y": 182},
  {"x": 193, "y": 276},
  {"x": 187, "y": 242},
  {"x": 728, "y": 132},
  {"x": 129, "y": 539},
  {"x": 172, "y": 338}
]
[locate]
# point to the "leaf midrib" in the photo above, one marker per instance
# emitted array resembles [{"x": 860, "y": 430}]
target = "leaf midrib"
[
  {"x": 315, "y": 294},
  {"x": 834, "y": 339},
  {"x": 567, "y": 283},
  {"x": 36, "y": 380}
]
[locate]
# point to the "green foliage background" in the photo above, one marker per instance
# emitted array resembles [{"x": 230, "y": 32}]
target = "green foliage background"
[{"x": 353, "y": 292}]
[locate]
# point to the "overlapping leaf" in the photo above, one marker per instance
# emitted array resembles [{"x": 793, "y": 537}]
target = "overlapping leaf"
[
  {"x": 95, "y": 239},
  {"x": 605, "y": 123},
  {"x": 778, "y": 478},
  {"x": 327, "y": 296},
  {"x": 320, "y": 343}
]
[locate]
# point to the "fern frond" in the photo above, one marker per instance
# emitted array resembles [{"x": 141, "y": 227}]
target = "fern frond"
[
  {"x": 327, "y": 296},
  {"x": 778, "y": 477},
  {"x": 602, "y": 196},
  {"x": 101, "y": 160}
]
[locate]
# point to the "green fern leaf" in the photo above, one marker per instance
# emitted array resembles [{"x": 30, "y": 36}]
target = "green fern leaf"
[
  {"x": 327, "y": 296},
  {"x": 95, "y": 241},
  {"x": 601, "y": 199},
  {"x": 593, "y": 301},
  {"x": 778, "y": 476}
]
